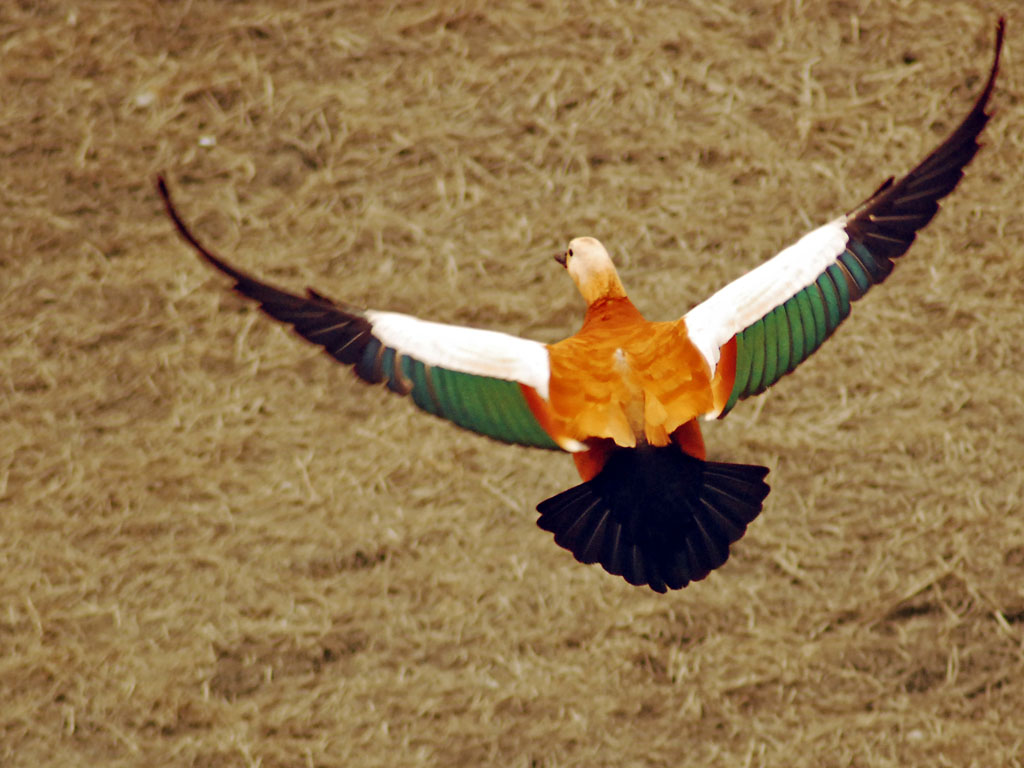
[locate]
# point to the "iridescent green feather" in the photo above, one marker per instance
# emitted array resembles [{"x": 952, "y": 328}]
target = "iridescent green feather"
[
  {"x": 453, "y": 407},
  {"x": 817, "y": 303},
  {"x": 744, "y": 357},
  {"x": 856, "y": 269},
  {"x": 784, "y": 342},
  {"x": 810, "y": 328},
  {"x": 839, "y": 280},
  {"x": 753, "y": 337},
  {"x": 492, "y": 407},
  {"x": 771, "y": 351},
  {"x": 796, "y": 335},
  {"x": 773, "y": 346},
  {"x": 873, "y": 265},
  {"x": 422, "y": 388},
  {"x": 830, "y": 302}
]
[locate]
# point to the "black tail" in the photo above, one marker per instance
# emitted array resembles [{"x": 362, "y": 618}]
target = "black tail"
[{"x": 656, "y": 516}]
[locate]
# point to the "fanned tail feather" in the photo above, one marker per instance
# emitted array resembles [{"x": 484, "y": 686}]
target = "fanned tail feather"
[{"x": 656, "y": 516}]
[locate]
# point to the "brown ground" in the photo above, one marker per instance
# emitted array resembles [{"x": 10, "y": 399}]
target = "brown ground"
[{"x": 219, "y": 549}]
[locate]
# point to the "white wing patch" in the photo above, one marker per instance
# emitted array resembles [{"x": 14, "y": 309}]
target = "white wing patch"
[
  {"x": 746, "y": 300},
  {"x": 466, "y": 350}
]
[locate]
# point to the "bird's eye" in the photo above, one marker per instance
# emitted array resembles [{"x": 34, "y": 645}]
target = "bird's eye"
[{"x": 570, "y": 251}]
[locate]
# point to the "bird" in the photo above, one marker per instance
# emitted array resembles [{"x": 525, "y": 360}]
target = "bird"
[{"x": 623, "y": 395}]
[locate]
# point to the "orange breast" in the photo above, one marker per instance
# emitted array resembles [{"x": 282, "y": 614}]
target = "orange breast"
[{"x": 624, "y": 378}]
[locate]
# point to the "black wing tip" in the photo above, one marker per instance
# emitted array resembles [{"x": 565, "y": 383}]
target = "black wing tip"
[
  {"x": 245, "y": 284},
  {"x": 187, "y": 235},
  {"x": 283, "y": 305},
  {"x": 982, "y": 100},
  {"x": 937, "y": 175},
  {"x": 983, "y": 97}
]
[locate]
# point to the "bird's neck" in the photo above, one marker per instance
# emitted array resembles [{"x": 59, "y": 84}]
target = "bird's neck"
[
  {"x": 610, "y": 313},
  {"x": 601, "y": 286}
]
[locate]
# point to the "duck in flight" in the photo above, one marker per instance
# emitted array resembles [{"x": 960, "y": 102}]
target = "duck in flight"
[{"x": 623, "y": 394}]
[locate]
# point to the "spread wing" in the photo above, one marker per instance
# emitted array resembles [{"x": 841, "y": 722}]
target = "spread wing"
[
  {"x": 488, "y": 382},
  {"x": 761, "y": 326}
]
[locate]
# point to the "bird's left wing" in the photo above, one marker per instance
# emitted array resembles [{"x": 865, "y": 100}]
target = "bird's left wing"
[
  {"x": 760, "y": 327},
  {"x": 488, "y": 382}
]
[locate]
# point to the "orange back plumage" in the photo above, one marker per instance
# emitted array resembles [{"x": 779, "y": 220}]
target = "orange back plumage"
[{"x": 625, "y": 378}]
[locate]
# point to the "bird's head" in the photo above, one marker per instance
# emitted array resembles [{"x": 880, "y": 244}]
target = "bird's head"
[{"x": 591, "y": 268}]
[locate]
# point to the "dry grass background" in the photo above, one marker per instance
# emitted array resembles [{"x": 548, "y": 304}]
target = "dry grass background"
[{"x": 219, "y": 549}]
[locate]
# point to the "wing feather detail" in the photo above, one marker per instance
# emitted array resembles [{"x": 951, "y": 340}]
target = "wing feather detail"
[
  {"x": 747, "y": 300},
  {"x": 488, "y": 382},
  {"x": 782, "y": 311},
  {"x": 467, "y": 350}
]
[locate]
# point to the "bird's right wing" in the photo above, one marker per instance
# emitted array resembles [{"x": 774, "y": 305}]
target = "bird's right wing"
[{"x": 760, "y": 327}]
